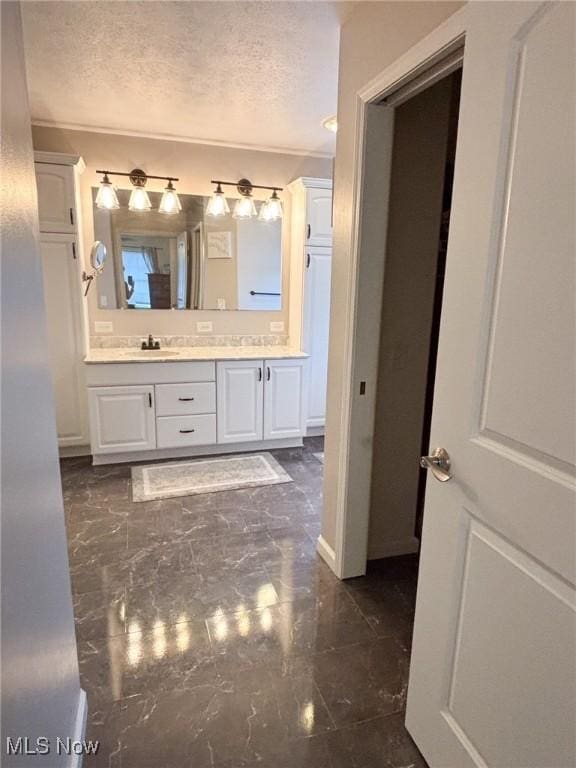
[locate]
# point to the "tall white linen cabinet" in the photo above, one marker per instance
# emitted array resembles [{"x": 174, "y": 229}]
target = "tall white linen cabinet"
[
  {"x": 60, "y": 242},
  {"x": 310, "y": 270}
]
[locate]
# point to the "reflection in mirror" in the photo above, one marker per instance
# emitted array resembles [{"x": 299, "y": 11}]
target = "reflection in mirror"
[{"x": 187, "y": 260}]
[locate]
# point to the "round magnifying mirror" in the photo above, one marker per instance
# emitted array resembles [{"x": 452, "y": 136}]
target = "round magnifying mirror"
[{"x": 98, "y": 256}]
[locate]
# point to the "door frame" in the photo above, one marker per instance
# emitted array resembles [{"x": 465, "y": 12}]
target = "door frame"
[{"x": 373, "y": 131}]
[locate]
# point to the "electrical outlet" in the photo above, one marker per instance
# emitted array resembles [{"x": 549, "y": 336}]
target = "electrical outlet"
[
  {"x": 103, "y": 301},
  {"x": 221, "y": 303},
  {"x": 277, "y": 326},
  {"x": 103, "y": 326},
  {"x": 204, "y": 327}
]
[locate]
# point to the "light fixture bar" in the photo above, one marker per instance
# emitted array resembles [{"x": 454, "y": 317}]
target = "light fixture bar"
[
  {"x": 144, "y": 175},
  {"x": 235, "y": 184}
]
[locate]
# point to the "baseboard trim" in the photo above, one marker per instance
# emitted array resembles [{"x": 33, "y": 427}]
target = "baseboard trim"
[
  {"x": 68, "y": 451},
  {"x": 315, "y": 431},
  {"x": 326, "y": 552},
  {"x": 394, "y": 548},
  {"x": 79, "y": 734},
  {"x": 194, "y": 451}
]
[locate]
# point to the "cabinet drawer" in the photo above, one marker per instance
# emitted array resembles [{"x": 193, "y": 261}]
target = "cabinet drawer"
[
  {"x": 185, "y": 399},
  {"x": 175, "y": 431}
]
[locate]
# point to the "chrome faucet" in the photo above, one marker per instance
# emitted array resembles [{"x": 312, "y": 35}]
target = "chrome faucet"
[{"x": 150, "y": 344}]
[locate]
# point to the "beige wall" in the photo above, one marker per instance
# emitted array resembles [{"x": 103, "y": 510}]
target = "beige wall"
[
  {"x": 374, "y": 36},
  {"x": 194, "y": 165}
]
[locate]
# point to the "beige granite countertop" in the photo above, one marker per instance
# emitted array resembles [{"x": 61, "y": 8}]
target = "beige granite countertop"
[{"x": 187, "y": 354}]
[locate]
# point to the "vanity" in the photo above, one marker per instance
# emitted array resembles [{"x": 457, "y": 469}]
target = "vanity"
[
  {"x": 241, "y": 308},
  {"x": 175, "y": 402}
]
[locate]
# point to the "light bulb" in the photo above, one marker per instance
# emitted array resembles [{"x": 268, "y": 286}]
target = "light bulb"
[
  {"x": 106, "y": 197},
  {"x": 271, "y": 210},
  {"x": 244, "y": 208},
  {"x": 170, "y": 202},
  {"x": 139, "y": 200},
  {"x": 217, "y": 205}
]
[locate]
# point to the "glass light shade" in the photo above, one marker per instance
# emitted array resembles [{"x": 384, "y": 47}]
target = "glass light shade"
[
  {"x": 107, "y": 197},
  {"x": 217, "y": 205},
  {"x": 271, "y": 210},
  {"x": 170, "y": 202},
  {"x": 139, "y": 200},
  {"x": 244, "y": 208}
]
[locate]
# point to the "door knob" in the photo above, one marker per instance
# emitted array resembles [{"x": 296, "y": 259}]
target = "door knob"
[{"x": 439, "y": 464}]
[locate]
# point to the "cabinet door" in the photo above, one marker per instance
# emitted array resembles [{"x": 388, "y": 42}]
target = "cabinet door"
[
  {"x": 122, "y": 419},
  {"x": 56, "y": 207},
  {"x": 62, "y": 294},
  {"x": 319, "y": 215},
  {"x": 316, "y": 331},
  {"x": 284, "y": 412},
  {"x": 239, "y": 394}
]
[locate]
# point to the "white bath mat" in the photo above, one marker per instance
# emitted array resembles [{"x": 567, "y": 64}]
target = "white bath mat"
[{"x": 185, "y": 478}]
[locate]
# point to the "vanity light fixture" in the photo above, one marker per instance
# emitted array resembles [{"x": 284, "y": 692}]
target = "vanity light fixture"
[
  {"x": 217, "y": 205},
  {"x": 170, "y": 202},
  {"x": 139, "y": 199},
  {"x": 245, "y": 207},
  {"x": 107, "y": 198},
  {"x": 271, "y": 210}
]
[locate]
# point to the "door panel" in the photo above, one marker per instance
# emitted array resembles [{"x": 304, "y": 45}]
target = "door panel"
[
  {"x": 284, "y": 399},
  {"x": 492, "y": 679},
  {"x": 55, "y": 197},
  {"x": 316, "y": 331},
  {"x": 319, "y": 212},
  {"x": 122, "y": 419},
  {"x": 239, "y": 395},
  {"x": 62, "y": 294}
]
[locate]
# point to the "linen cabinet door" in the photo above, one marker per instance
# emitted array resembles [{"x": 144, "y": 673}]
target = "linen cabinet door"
[{"x": 239, "y": 395}]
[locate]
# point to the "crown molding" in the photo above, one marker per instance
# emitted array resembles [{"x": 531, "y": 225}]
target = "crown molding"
[
  {"x": 184, "y": 139},
  {"x": 60, "y": 158}
]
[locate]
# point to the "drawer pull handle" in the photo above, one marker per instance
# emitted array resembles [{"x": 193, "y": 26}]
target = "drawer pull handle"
[
  {"x": 186, "y": 431},
  {"x": 185, "y": 399}
]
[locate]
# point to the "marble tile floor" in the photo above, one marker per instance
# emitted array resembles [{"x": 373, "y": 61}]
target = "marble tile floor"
[{"x": 210, "y": 634}]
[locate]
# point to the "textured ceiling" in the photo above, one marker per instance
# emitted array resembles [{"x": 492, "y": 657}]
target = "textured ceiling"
[{"x": 248, "y": 73}]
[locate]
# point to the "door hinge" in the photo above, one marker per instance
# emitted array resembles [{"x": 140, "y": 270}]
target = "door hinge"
[
  {"x": 74, "y": 250},
  {"x": 307, "y": 261},
  {"x": 72, "y": 216}
]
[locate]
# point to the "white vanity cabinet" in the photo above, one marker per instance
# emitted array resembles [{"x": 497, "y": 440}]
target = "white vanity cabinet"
[
  {"x": 240, "y": 400},
  {"x": 122, "y": 419},
  {"x": 172, "y": 409},
  {"x": 284, "y": 399}
]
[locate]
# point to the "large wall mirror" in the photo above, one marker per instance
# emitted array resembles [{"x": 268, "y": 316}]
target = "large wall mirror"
[{"x": 187, "y": 260}]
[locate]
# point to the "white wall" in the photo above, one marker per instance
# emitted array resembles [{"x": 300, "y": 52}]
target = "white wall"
[
  {"x": 40, "y": 684},
  {"x": 374, "y": 36},
  {"x": 194, "y": 165}
]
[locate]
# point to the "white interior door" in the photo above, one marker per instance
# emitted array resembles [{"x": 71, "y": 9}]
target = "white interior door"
[
  {"x": 317, "y": 330},
  {"x": 240, "y": 398},
  {"x": 62, "y": 293},
  {"x": 492, "y": 679}
]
